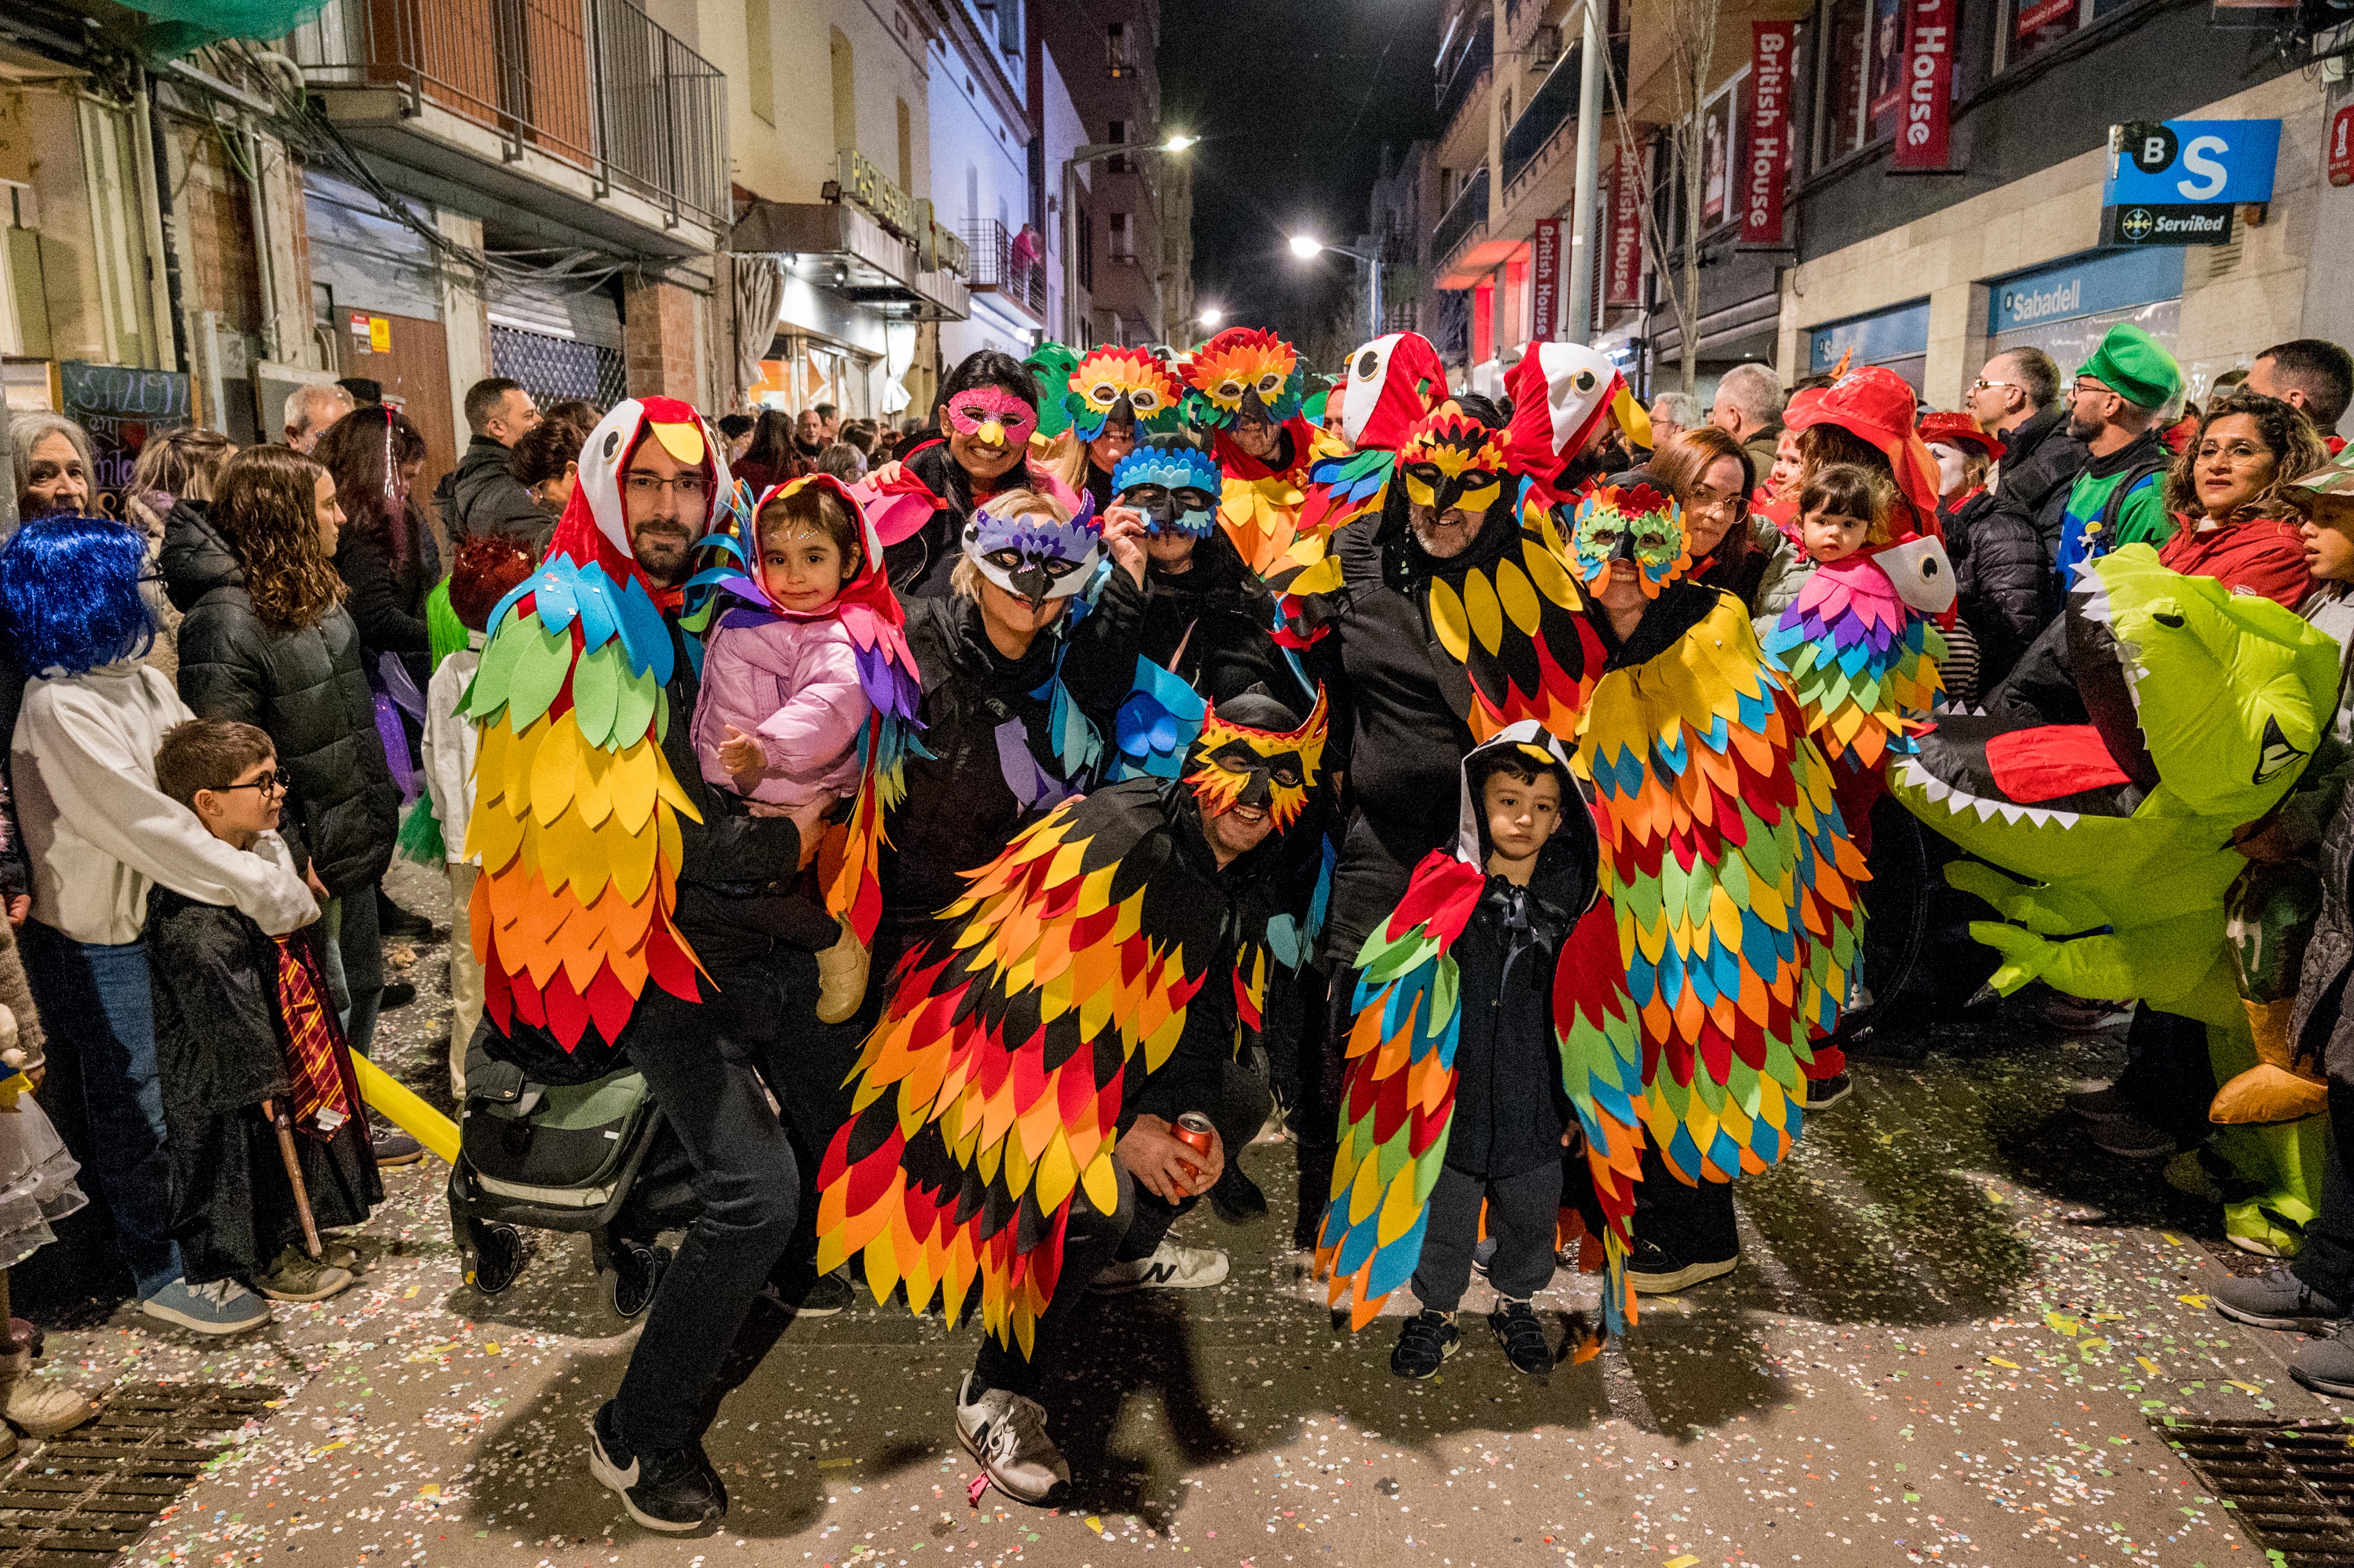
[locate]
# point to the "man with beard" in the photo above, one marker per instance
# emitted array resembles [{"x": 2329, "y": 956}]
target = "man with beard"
[
  {"x": 2113, "y": 408},
  {"x": 638, "y": 915}
]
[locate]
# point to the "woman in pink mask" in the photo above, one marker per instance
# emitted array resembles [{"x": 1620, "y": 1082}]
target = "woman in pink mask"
[{"x": 988, "y": 407}]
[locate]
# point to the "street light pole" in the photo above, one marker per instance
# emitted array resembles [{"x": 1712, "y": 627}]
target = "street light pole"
[
  {"x": 1306, "y": 246},
  {"x": 1580, "y": 310},
  {"x": 1094, "y": 152}
]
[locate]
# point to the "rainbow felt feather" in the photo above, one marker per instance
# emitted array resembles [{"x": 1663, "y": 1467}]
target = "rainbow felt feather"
[{"x": 1862, "y": 663}]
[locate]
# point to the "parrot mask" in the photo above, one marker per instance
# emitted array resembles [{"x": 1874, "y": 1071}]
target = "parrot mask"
[
  {"x": 1453, "y": 460},
  {"x": 1235, "y": 765},
  {"x": 1392, "y": 383},
  {"x": 1244, "y": 373},
  {"x": 1640, "y": 525},
  {"x": 1124, "y": 384},
  {"x": 1563, "y": 395},
  {"x": 991, "y": 415},
  {"x": 1175, "y": 486},
  {"x": 1032, "y": 556},
  {"x": 600, "y": 501}
]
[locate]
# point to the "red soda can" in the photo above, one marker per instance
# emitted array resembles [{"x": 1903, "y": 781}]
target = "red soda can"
[{"x": 1192, "y": 1129}]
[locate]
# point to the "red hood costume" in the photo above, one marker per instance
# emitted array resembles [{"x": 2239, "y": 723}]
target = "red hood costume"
[{"x": 1564, "y": 396}]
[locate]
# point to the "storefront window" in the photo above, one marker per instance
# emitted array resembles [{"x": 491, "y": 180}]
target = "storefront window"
[
  {"x": 2066, "y": 309},
  {"x": 2032, "y": 26},
  {"x": 1864, "y": 73},
  {"x": 1897, "y": 338}
]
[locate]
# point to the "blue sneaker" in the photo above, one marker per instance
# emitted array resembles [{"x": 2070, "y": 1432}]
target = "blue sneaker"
[{"x": 224, "y": 1307}]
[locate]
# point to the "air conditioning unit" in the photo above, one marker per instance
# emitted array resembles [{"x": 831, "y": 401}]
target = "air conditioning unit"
[{"x": 1545, "y": 49}]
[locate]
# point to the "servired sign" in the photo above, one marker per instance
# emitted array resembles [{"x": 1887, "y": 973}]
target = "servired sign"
[
  {"x": 1545, "y": 281},
  {"x": 1766, "y": 153},
  {"x": 1924, "y": 117},
  {"x": 2342, "y": 147}
]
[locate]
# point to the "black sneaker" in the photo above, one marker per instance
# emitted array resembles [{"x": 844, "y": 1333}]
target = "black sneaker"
[
  {"x": 2100, "y": 1102},
  {"x": 1515, "y": 1326},
  {"x": 1236, "y": 1199},
  {"x": 819, "y": 1297},
  {"x": 394, "y": 1147},
  {"x": 1425, "y": 1342},
  {"x": 674, "y": 1491},
  {"x": 1824, "y": 1093},
  {"x": 1654, "y": 1269},
  {"x": 392, "y": 920},
  {"x": 2277, "y": 1299}
]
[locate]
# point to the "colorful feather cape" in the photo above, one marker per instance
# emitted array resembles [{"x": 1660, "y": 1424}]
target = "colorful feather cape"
[
  {"x": 1733, "y": 887},
  {"x": 1516, "y": 624},
  {"x": 989, "y": 1094},
  {"x": 1862, "y": 662},
  {"x": 576, "y": 818}
]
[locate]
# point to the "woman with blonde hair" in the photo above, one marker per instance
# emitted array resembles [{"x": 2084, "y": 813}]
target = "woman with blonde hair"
[
  {"x": 267, "y": 642},
  {"x": 176, "y": 468}
]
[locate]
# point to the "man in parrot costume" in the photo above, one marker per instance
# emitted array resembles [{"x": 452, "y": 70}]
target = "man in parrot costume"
[
  {"x": 608, "y": 915},
  {"x": 1010, "y": 1134},
  {"x": 1249, "y": 386},
  {"x": 2116, "y": 835},
  {"x": 1566, "y": 399}
]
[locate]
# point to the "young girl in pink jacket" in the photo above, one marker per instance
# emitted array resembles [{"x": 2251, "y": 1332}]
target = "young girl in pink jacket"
[{"x": 805, "y": 648}]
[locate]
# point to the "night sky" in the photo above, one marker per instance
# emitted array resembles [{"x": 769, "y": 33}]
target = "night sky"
[{"x": 1293, "y": 100}]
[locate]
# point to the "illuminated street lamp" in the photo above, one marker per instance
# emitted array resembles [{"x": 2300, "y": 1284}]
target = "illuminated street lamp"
[
  {"x": 1307, "y": 247},
  {"x": 1096, "y": 153}
]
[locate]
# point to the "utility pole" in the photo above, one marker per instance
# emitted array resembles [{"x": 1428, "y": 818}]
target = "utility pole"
[{"x": 1579, "y": 316}]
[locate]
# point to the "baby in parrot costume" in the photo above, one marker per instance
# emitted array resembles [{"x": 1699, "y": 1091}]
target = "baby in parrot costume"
[
  {"x": 1247, "y": 391},
  {"x": 1449, "y": 1107},
  {"x": 1081, "y": 995},
  {"x": 810, "y": 691},
  {"x": 2204, "y": 707}
]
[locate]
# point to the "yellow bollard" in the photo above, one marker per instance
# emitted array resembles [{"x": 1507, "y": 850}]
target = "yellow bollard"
[{"x": 406, "y": 1111}]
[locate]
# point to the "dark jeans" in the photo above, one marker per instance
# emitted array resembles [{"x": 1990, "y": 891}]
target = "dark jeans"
[
  {"x": 1090, "y": 1241},
  {"x": 101, "y": 1049},
  {"x": 355, "y": 964},
  {"x": 701, "y": 1062},
  {"x": 2170, "y": 1080},
  {"x": 2327, "y": 1263},
  {"x": 1695, "y": 1223},
  {"x": 1313, "y": 1082},
  {"x": 1522, "y": 1212},
  {"x": 1240, "y": 1112}
]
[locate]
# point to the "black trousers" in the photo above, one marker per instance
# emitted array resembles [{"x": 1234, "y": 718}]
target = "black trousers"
[
  {"x": 2326, "y": 1262},
  {"x": 2170, "y": 1080},
  {"x": 1090, "y": 1241},
  {"x": 1521, "y": 1212},
  {"x": 1240, "y": 1111},
  {"x": 1695, "y": 1223},
  {"x": 701, "y": 1062}
]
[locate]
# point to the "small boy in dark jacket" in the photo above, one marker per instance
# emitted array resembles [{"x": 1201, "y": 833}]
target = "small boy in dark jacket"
[
  {"x": 1495, "y": 908},
  {"x": 244, "y": 1028}
]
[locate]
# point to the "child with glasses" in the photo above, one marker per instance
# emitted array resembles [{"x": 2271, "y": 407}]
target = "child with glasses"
[{"x": 246, "y": 1044}]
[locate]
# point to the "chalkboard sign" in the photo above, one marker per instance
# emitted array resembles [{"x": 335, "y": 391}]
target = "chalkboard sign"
[{"x": 121, "y": 405}]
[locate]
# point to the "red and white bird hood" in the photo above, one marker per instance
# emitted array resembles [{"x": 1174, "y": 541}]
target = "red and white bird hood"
[
  {"x": 594, "y": 523},
  {"x": 1563, "y": 393},
  {"x": 1393, "y": 382}
]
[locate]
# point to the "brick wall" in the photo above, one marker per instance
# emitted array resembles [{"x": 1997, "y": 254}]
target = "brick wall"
[
  {"x": 219, "y": 215},
  {"x": 658, "y": 340}
]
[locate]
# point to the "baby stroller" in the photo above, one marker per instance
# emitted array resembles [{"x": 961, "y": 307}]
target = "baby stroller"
[{"x": 594, "y": 1157}]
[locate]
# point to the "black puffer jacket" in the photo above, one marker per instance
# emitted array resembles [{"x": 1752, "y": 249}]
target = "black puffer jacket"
[
  {"x": 2321, "y": 1025},
  {"x": 959, "y": 812},
  {"x": 2039, "y": 461},
  {"x": 1999, "y": 575},
  {"x": 481, "y": 496},
  {"x": 305, "y": 688},
  {"x": 387, "y": 596}
]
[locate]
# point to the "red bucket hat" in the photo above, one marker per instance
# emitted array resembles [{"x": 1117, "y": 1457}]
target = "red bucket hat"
[
  {"x": 1876, "y": 405},
  {"x": 1959, "y": 431}
]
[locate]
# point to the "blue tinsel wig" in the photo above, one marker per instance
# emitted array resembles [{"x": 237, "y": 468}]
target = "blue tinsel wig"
[{"x": 70, "y": 587}]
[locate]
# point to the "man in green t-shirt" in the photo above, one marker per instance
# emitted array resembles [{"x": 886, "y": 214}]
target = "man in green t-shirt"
[{"x": 2113, "y": 408}]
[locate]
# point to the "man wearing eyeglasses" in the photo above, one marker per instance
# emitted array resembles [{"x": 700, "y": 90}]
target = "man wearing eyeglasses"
[{"x": 2119, "y": 495}]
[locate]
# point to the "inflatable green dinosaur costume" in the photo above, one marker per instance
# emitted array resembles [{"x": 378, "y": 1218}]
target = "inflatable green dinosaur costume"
[{"x": 2203, "y": 706}]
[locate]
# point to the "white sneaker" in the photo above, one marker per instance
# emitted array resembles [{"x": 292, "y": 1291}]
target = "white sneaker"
[
  {"x": 1171, "y": 1268},
  {"x": 1006, "y": 1434}
]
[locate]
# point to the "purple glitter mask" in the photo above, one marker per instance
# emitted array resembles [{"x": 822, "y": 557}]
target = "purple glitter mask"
[{"x": 1031, "y": 556}]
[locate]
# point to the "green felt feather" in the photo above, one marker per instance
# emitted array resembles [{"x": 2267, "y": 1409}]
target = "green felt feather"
[
  {"x": 444, "y": 632},
  {"x": 420, "y": 834},
  {"x": 542, "y": 660}
]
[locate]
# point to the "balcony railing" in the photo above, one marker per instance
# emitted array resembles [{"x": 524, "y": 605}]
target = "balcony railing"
[
  {"x": 1000, "y": 265},
  {"x": 1553, "y": 106},
  {"x": 595, "y": 83},
  {"x": 1466, "y": 212},
  {"x": 1460, "y": 71}
]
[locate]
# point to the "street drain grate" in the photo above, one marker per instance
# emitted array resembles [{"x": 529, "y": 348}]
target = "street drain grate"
[
  {"x": 91, "y": 1493},
  {"x": 2289, "y": 1483}
]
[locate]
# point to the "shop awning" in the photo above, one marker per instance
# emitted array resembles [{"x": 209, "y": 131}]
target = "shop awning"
[{"x": 870, "y": 264}]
